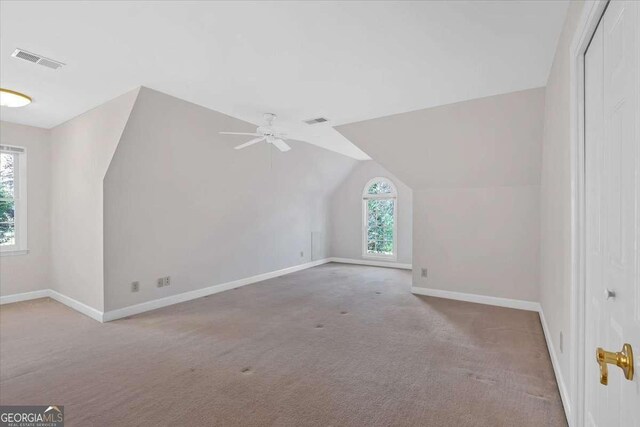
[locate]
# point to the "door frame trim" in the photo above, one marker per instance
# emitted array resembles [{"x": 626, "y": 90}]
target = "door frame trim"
[{"x": 587, "y": 24}]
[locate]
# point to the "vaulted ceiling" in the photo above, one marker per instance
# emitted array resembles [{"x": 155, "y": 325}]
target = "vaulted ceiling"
[
  {"x": 486, "y": 142},
  {"x": 347, "y": 61}
]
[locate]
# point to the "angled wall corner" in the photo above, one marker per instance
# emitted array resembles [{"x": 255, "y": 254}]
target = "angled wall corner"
[
  {"x": 81, "y": 151},
  {"x": 474, "y": 168},
  {"x": 181, "y": 202}
]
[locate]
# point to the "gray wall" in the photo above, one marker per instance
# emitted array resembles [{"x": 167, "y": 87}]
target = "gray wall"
[
  {"x": 555, "y": 226},
  {"x": 30, "y": 272},
  {"x": 474, "y": 168},
  {"x": 81, "y": 150},
  {"x": 346, "y": 213},
  {"x": 180, "y": 202}
]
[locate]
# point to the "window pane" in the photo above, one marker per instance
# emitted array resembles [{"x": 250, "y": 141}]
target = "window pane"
[
  {"x": 7, "y": 233},
  {"x": 380, "y": 226},
  {"x": 7, "y": 162},
  {"x": 7, "y": 210},
  {"x": 379, "y": 187},
  {"x": 386, "y": 247}
]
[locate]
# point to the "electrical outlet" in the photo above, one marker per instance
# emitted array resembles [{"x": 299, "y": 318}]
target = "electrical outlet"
[
  {"x": 423, "y": 273},
  {"x": 167, "y": 280},
  {"x": 561, "y": 342},
  {"x": 135, "y": 286},
  {"x": 160, "y": 282}
]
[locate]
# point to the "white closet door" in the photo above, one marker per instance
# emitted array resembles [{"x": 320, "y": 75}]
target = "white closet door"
[{"x": 612, "y": 151}]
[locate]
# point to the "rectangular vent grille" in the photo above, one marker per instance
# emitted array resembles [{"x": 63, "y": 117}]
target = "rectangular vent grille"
[
  {"x": 26, "y": 56},
  {"x": 49, "y": 63},
  {"x": 37, "y": 59},
  {"x": 316, "y": 120}
]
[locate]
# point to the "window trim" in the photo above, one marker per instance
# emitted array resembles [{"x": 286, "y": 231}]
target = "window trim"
[
  {"x": 20, "y": 197},
  {"x": 366, "y": 197}
]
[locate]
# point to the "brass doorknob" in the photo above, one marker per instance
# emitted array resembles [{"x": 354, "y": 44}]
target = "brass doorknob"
[{"x": 622, "y": 359}]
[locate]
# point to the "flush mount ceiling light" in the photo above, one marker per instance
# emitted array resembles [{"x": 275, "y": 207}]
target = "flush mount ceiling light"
[{"x": 9, "y": 98}]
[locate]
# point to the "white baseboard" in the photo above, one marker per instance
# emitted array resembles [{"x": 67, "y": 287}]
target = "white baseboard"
[
  {"x": 564, "y": 393},
  {"x": 480, "y": 299},
  {"x": 49, "y": 293},
  {"x": 154, "y": 304},
  {"x": 372, "y": 263},
  {"x": 77, "y": 305},
  {"x": 26, "y": 296},
  {"x": 199, "y": 293}
]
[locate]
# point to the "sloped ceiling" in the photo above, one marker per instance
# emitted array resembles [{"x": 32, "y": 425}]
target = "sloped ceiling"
[
  {"x": 348, "y": 61},
  {"x": 494, "y": 141}
]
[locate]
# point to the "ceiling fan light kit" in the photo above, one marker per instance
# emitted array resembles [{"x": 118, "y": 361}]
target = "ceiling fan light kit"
[{"x": 265, "y": 133}]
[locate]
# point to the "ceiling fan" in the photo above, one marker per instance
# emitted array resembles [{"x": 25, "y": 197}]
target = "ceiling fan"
[{"x": 266, "y": 133}]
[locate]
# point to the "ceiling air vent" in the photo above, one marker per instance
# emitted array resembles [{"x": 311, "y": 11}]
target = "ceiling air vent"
[
  {"x": 316, "y": 120},
  {"x": 37, "y": 59}
]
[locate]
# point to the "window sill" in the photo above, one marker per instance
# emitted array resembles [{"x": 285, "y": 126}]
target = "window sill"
[
  {"x": 14, "y": 252},
  {"x": 380, "y": 257}
]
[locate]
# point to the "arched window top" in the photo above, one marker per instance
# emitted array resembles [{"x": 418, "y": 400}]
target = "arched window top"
[{"x": 379, "y": 187}]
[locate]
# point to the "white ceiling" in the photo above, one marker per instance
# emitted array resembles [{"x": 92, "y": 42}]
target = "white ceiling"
[{"x": 348, "y": 61}]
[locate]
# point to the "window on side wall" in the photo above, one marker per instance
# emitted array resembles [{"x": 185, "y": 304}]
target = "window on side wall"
[
  {"x": 380, "y": 211},
  {"x": 13, "y": 200}
]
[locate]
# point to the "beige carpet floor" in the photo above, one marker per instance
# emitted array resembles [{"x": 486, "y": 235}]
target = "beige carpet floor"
[{"x": 335, "y": 345}]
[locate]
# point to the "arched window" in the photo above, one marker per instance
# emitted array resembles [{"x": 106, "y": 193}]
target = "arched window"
[{"x": 379, "y": 225}]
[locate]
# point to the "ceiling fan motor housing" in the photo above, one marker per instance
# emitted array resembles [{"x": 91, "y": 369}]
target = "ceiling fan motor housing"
[
  {"x": 265, "y": 133},
  {"x": 269, "y": 118}
]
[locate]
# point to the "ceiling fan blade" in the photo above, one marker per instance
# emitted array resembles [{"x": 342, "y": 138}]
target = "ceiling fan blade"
[
  {"x": 240, "y": 133},
  {"x": 281, "y": 145},
  {"x": 246, "y": 144}
]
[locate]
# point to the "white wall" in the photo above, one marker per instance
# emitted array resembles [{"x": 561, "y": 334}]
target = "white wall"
[
  {"x": 30, "y": 272},
  {"x": 81, "y": 152},
  {"x": 474, "y": 168},
  {"x": 480, "y": 241},
  {"x": 346, "y": 213},
  {"x": 555, "y": 225},
  {"x": 181, "y": 202}
]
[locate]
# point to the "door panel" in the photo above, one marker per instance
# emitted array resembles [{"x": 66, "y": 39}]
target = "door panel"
[
  {"x": 612, "y": 155},
  {"x": 594, "y": 166}
]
